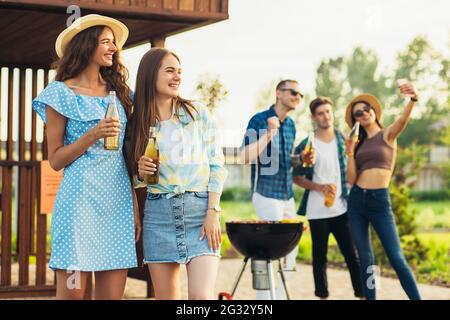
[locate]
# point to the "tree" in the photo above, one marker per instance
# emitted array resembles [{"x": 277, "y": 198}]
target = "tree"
[
  {"x": 342, "y": 78},
  {"x": 211, "y": 91}
]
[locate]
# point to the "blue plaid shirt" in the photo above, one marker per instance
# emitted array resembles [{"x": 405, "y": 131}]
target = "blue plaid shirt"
[{"x": 273, "y": 177}]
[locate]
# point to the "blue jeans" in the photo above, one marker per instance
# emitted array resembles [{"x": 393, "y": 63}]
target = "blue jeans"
[
  {"x": 374, "y": 206},
  {"x": 172, "y": 228}
]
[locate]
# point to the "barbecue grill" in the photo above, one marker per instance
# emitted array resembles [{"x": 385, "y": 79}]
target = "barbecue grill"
[{"x": 263, "y": 242}]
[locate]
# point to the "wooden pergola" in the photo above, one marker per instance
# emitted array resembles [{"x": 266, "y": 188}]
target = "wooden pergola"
[{"x": 28, "y": 30}]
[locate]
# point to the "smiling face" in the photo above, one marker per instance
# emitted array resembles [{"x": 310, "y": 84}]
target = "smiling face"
[
  {"x": 106, "y": 49},
  {"x": 169, "y": 77},
  {"x": 363, "y": 113},
  {"x": 289, "y": 95}
]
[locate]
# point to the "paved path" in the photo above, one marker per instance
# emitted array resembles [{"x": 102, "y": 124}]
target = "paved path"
[{"x": 301, "y": 286}]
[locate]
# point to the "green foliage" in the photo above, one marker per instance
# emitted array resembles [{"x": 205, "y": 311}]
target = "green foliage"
[
  {"x": 436, "y": 267},
  {"x": 445, "y": 167},
  {"x": 236, "y": 194},
  {"x": 436, "y": 195},
  {"x": 413, "y": 248},
  {"x": 342, "y": 78},
  {"x": 211, "y": 91},
  {"x": 298, "y": 194},
  {"x": 409, "y": 163},
  {"x": 331, "y": 79}
]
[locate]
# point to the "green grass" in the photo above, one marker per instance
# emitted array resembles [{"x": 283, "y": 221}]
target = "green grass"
[
  {"x": 441, "y": 238},
  {"x": 432, "y": 214}
]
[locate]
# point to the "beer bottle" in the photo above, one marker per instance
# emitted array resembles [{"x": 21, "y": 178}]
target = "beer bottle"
[
  {"x": 112, "y": 143},
  {"x": 354, "y": 134},
  {"x": 309, "y": 149},
  {"x": 152, "y": 152}
]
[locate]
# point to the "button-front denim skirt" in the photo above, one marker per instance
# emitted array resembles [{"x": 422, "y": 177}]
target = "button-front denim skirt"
[{"x": 172, "y": 228}]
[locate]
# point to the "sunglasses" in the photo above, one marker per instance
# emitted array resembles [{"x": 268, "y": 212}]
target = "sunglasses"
[
  {"x": 293, "y": 92},
  {"x": 360, "y": 113}
]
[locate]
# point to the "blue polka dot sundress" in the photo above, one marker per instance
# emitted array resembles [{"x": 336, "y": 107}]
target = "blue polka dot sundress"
[{"x": 93, "y": 223}]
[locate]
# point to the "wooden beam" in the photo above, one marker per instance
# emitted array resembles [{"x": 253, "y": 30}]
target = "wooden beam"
[
  {"x": 167, "y": 9},
  {"x": 27, "y": 291}
]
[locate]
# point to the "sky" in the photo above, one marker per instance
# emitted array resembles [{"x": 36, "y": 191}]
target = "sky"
[{"x": 264, "y": 40}]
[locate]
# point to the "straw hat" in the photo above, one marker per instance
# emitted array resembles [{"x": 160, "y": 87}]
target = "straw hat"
[
  {"x": 119, "y": 29},
  {"x": 367, "y": 98}
]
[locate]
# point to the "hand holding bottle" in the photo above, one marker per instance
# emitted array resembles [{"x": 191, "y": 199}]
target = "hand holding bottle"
[
  {"x": 326, "y": 188},
  {"x": 112, "y": 113},
  {"x": 309, "y": 154},
  {"x": 350, "y": 145},
  {"x": 308, "y": 157},
  {"x": 146, "y": 166},
  {"x": 108, "y": 127}
]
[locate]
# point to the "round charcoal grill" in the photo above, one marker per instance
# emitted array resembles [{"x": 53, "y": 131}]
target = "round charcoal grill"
[{"x": 262, "y": 242}]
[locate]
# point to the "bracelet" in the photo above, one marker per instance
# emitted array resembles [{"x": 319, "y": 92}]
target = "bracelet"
[{"x": 414, "y": 99}]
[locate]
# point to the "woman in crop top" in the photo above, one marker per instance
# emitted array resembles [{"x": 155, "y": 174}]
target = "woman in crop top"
[{"x": 370, "y": 165}]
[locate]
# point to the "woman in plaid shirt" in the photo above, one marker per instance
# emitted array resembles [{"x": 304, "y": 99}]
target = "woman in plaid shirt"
[{"x": 181, "y": 223}]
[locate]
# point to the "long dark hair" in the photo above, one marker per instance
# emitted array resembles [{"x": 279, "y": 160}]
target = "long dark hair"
[
  {"x": 76, "y": 58},
  {"x": 362, "y": 132},
  {"x": 146, "y": 112}
]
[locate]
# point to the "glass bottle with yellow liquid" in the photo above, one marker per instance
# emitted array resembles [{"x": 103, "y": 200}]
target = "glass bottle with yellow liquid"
[
  {"x": 152, "y": 152},
  {"x": 309, "y": 150},
  {"x": 354, "y": 135},
  {"x": 112, "y": 143},
  {"x": 331, "y": 195}
]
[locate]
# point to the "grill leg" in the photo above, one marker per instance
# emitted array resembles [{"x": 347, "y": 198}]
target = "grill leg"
[
  {"x": 271, "y": 279},
  {"x": 239, "y": 277},
  {"x": 283, "y": 279}
]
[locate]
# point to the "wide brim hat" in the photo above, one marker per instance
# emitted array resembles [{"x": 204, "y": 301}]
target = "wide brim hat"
[
  {"x": 119, "y": 29},
  {"x": 367, "y": 98}
]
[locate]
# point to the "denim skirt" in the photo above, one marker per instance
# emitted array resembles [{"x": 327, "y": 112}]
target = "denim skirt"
[{"x": 172, "y": 228}]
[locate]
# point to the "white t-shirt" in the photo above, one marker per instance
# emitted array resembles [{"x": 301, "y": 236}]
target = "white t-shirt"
[{"x": 326, "y": 171}]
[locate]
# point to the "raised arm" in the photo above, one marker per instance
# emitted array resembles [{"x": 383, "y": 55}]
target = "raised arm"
[
  {"x": 250, "y": 152},
  {"x": 395, "y": 129}
]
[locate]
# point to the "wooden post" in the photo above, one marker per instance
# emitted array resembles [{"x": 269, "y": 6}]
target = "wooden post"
[
  {"x": 23, "y": 194},
  {"x": 7, "y": 192},
  {"x": 158, "y": 42}
]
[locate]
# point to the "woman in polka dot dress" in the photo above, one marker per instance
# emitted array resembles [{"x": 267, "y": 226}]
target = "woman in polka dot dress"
[
  {"x": 94, "y": 224},
  {"x": 181, "y": 220}
]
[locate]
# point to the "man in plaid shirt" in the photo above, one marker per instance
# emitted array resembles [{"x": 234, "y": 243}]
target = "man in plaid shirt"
[{"x": 267, "y": 145}]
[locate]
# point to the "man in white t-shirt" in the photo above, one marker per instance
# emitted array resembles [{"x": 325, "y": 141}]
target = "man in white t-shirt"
[{"x": 326, "y": 177}]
